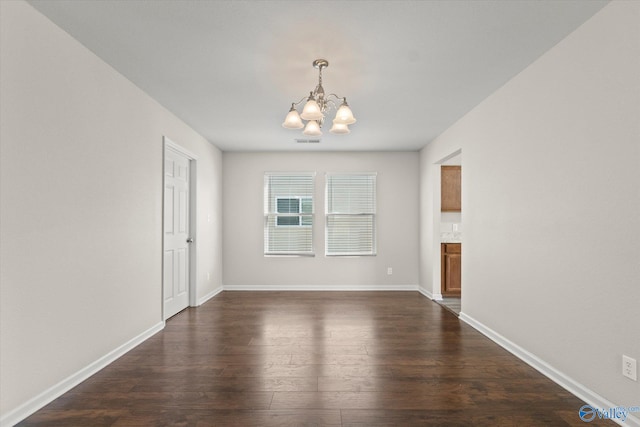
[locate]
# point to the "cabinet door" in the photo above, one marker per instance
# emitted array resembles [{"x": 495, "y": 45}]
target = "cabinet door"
[
  {"x": 451, "y": 189},
  {"x": 451, "y": 269},
  {"x": 453, "y": 272}
]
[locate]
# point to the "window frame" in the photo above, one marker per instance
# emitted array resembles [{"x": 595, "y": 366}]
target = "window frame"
[
  {"x": 328, "y": 215},
  {"x": 302, "y": 245}
]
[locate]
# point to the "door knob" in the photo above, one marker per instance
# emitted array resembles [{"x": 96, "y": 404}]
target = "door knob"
[{"x": 190, "y": 240}]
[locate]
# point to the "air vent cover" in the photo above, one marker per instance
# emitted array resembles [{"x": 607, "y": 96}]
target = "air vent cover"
[{"x": 307, "y": 141}]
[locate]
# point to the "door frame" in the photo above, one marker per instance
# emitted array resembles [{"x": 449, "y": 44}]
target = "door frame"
[
  {"x": 168, "y": 144},
  {"x": 437, "y": 260}
]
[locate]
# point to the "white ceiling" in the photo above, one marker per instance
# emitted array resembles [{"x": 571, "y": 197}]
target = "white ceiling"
[{"x": 231, "y": 69}]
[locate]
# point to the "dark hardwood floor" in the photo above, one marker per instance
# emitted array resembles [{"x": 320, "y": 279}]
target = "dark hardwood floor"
[{"x": 315, "y": 359}]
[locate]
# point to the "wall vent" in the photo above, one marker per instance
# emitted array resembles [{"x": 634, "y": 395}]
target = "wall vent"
[{"x": 307, "y": 141}]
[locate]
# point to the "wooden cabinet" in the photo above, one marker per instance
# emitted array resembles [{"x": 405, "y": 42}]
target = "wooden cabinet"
[
  {"x": 451, "y": 188},
  {"x": 451, "y": 272}
]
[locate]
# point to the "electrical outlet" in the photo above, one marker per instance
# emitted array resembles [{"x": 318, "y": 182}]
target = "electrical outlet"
[
  {"x": 629, "y": 368},
  {"x": 389, "y": 271},
  {"x": 208, "y": 276}
]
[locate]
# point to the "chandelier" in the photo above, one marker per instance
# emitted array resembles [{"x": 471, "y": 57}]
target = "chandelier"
[{"x": 317, "y": 104}]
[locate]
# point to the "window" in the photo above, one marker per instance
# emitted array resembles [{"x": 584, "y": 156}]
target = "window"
[
  {"x": 351, "y": 214},
  {"x": 288, "y": 213},
  {"x": 294, "y": 205}
]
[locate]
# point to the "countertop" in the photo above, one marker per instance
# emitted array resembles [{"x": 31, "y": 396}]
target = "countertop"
[{"x": 451, "y": 237}]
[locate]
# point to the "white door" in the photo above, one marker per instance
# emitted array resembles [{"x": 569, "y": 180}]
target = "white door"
[{"x": 176, "y": 233}]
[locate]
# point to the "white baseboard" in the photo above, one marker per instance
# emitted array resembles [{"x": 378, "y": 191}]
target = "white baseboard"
[
  {"x": 566, "y": 382},
  {"x": 23, "y": 411},
  {"x": 430, "y": 295},
  {"x": 425, "y": 292},
  {"x": 320, "y": 287},
  {"x": 210, "y": 295}
]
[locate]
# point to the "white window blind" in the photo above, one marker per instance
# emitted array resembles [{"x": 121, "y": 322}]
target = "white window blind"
[
  {"x": 351, "y": 214},
  {"x": 288, "y": 213}
]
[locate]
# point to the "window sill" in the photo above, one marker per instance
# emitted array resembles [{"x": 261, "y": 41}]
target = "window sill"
[{"x": 290, "y": 255}]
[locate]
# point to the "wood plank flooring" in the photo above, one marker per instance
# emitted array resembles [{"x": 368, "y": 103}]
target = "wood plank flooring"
[{"x": 315, "y": 359}]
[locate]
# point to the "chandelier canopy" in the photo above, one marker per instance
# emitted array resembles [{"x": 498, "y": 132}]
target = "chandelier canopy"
[{"x": 315, "y": 108}]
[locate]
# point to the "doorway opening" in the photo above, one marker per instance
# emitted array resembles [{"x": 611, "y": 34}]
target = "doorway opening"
[
  {"x": 179, "y": 241},
  {"x": 448, "y": 233}
]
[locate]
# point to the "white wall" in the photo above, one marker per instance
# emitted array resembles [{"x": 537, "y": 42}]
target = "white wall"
[
  {"x": 546, "y": 159},
  {"x": 81, "y": 201},
  {"x": 397, "y": 219}
]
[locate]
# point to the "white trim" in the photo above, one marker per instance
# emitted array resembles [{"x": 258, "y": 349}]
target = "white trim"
[
  {"x": 572, "y": 386},
  {"x": 436, "y": 182},
  {"x": 320, "y": 287},
  {"x": 374, "y": 215},
  {"x": 175, "y": 147},
  {"x": 193, "y": 229},
  {"x": 210, "y": 295},
  {"x": 430, "y": 295},
  {"x": 23, "y": 411},
  {"x": 271, "y": 211},
  {"x": 168, "y": 144}
]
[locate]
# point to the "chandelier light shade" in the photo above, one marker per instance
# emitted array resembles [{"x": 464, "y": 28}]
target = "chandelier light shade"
[
  {"x": 344, "y": 116},
  {"x": 311, "y": 110},
  {"x": 317, "y": 104},
  {"x": 339, "y": 128},
  {"x": 293, "y": 121},
  {"x": 312, "y": 128}
]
